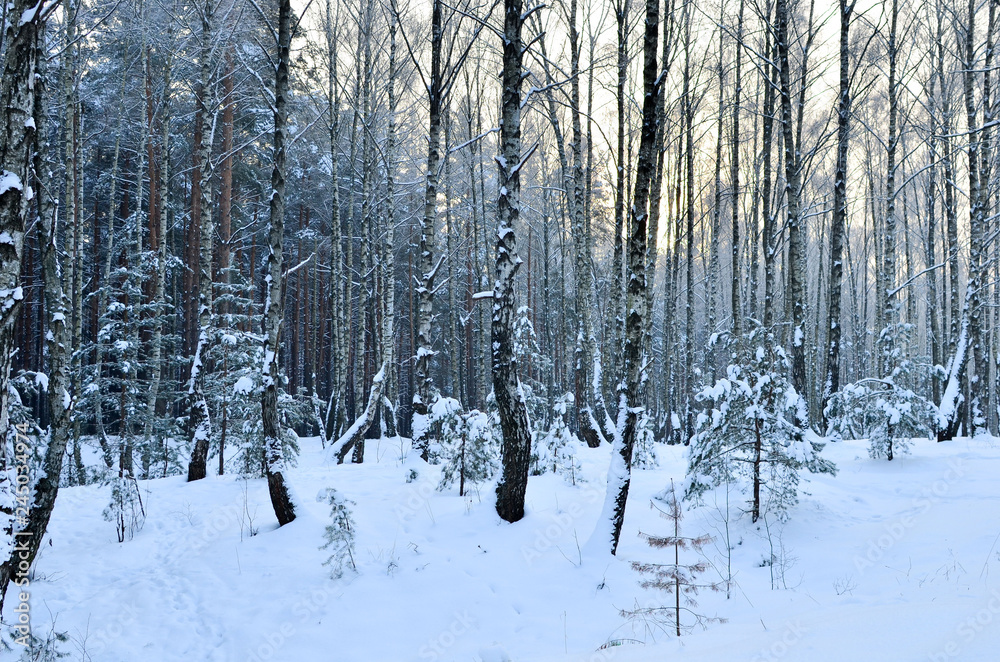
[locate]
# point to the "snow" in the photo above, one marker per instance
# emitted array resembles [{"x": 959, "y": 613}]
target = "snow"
[
  {"x": 30, "y": 13},
  {"x": 5, "y": 238},
  {"x": 244, "y": 385},
  {"x": 952, "y": 396},
  {"x": 893, "y": 562},
  {"x": 8, "y": 181},
  {"x": 9, "y": 297}
]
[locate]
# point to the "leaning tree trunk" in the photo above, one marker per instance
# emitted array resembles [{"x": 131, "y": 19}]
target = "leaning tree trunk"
[
  {"x": 200, "y": 422},
  {"x": 630, "y": 392},
  {"x": 516, "y": 447},
  {"x": 24, "y": 116},
  {"x": 274, "y": 460},
  {"x": 355, "y": 434}
]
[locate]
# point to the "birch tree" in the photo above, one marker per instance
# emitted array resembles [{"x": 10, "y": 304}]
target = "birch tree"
[
  {"x": 284, "y": 508},
  {"x": 200, "y": 421},
  {"x": 516, "y": 446},
  {"x": 630, "y": 393}
]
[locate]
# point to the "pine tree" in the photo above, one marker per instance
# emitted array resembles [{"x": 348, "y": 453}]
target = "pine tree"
[
  {"x": 468, "y": 447},
  {"x": 884, "y": 410},
  {"x": 680, "y": 579},
  {"x": 556, "y": 448},
  {"x": 339, "y": 533},
  {"x": 750, "y": 435}
]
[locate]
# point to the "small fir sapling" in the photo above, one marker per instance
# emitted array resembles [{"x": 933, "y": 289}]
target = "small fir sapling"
[
  {"x": 339, "y": 533},
  {"x": 534, "y": 365},
  {"x": 682, "y": 580},
  {"x": 556, "y": 447},
  {"x": 884, "y": 410},
  {"x": 644, "y": 454},
  {"x": 125, "y": 509},
  {"x": 469, "y": 448},
  {"x": 427, "y": 427},
  {"x": 749, "y": 436}
]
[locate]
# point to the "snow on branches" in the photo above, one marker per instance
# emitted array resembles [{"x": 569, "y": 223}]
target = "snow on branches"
[{"x": 749, "y": 435}]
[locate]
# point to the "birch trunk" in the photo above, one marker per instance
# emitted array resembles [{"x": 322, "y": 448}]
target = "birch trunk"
[
  {"x": 838, "y": 229},
  {"x": 200, "y": 421},
  {"x": 630, "y": 393},
  {"x": 21, "y": 91},
  {"x": 274, "y": 459},
  {"x": 516, "y": 446}
]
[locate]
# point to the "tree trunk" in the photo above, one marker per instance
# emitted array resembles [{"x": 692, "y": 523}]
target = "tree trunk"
[
  {"x": 424, "y": 395},
  {"x": 281, "y": 499},
  {"x": 890, "y": 301},
  {"x": 200, "y": 421},
  {"x": 793, "y": 192},
  {"x": 21, "y": 91},
  {"x": 689, "y": 229},
  {"x": 630, "y": 393},
  {"x": 735, "y": 177},
  {"x": 516, "y": 446},
  {"x": 335, "y": 408},
  {"x": 355, "y": 434},
  {"x": 838, "y": 229},
  {"x": 159, "y": 296}
]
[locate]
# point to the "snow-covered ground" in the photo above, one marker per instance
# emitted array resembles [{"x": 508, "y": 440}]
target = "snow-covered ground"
[{"x": 886, "y": 561}]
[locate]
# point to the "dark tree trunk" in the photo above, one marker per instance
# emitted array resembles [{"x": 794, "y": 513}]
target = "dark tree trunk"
[
  {"x": 839, "y": 228},
  {"x": 631, "y": 391},
  {"x": 516, "y": 447},
  {"x": 281, "y": 499},
  {"x": 22, "y": 103}
]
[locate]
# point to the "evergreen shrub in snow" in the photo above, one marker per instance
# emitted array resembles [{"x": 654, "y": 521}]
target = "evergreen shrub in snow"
[
  {"x": 749, "y": 435},
  {"x": 884, "y": 410},
  {"x": 339, "y": 533},
  {"x": 535, "y": 368},
  {"x": 466, "y": 444},
  {"x": 644, "y": 451},
  {"x": 125, "y": 509},
  {"x": 556, "y": 448}
]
